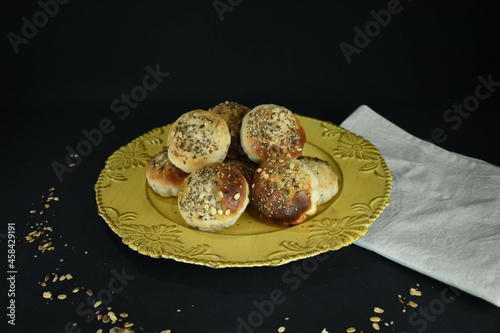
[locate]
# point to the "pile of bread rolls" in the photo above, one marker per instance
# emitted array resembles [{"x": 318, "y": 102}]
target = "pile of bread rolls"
[{"x": 221, "y": 161}]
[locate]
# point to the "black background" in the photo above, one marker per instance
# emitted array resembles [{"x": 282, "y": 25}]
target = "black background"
[{"x": 63, "y": 80}]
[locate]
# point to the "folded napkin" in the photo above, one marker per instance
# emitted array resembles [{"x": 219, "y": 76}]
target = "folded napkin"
[{"x": 444, "y": 216}]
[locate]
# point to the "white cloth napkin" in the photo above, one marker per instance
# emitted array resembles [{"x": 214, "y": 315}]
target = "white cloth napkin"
[{"x": 444, "y": 216}]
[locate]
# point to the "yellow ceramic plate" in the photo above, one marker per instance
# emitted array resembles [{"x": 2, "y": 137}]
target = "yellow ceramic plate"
[{"x": 152, "y": 225}]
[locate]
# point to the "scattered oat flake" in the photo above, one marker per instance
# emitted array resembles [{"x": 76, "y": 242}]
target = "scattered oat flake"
[
  {"x": 89, "y": 292},
  {"x": 62, "y": 296},
  {"x": 350, "y": 330},
  {"x": 378, "y": 310},
  {"x": 375, "y": 319},
  {"x": 324, "y": 330},
  {"x": 376, "y": 327},
  {"x": 281, "y": 329},
  {"x": 415, "y": 292},
  {"x": 47, "y": 294},
  {"x": 33, "y": 211},
  {"x": 96, "y": 304},
  {"x": 166, "y": 331},
  {"x": 124, "y": 315},
  {"x": 412, "y": 304},
  {"x": 112, "y": 316}
]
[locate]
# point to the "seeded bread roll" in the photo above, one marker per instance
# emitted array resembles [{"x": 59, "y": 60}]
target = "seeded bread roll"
[
  {"x": 271, "y": 130},
  {"x": 328, "y": 184},
  {"x": 284, "y": 191},
  {"x": 213, "y": 197},
  {"x": 196, "y": 139},
  {"x": 246, "y": 167},
  {"x": 233, "y": 114},
  {"x": 163, "y": 177}
]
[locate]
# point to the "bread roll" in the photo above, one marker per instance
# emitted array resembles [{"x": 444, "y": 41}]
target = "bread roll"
[
  {"x": 246, "y": 167},
  {"x": 328, "y": 184},
  {"x": 284, "y": 191},
  {"x": 213, "y": 197},
  {"x": 163, "y": 177},
  {"x": 233, "y": 114},
  {"x": 271, "y": 130},
  {"x": 196, "y": 139}
]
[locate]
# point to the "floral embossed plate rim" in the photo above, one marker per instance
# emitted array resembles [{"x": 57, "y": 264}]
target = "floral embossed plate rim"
[{"x": 133, "y": 212}]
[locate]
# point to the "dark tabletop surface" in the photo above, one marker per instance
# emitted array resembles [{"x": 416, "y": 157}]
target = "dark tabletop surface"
[{"x": 432, "y": 69}]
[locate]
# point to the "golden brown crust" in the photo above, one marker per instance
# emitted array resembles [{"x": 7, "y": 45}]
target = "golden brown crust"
[
  {"x": 233, "y": 114},
  {"x": 271, "y": 130},
  {"x": 213, "y": 197},
  {"x": 284, "y": 191},
  {"x": 328, "y": 186},
  {"x": 163, "y": 177},
  {"x": 198, "y": 138}
]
